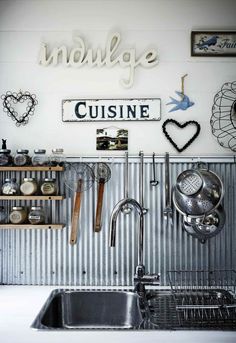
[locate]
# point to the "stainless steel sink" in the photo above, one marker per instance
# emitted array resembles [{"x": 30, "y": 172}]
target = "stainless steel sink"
[{"x": 73, "y": 309}]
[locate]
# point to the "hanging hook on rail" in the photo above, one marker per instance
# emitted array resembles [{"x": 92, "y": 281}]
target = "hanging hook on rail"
[{"x": 154, "y": 182}]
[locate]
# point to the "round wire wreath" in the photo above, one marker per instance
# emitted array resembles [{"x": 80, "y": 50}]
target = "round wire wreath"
[
  {"x": 9, "y": 99},
  {"x": 223, "y": 119}
]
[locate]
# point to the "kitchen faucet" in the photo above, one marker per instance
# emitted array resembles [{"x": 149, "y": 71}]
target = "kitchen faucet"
[{"x": 140, "y": 278}]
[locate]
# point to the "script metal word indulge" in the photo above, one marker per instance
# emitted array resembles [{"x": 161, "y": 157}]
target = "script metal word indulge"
[{"x": 80, "y": 55}]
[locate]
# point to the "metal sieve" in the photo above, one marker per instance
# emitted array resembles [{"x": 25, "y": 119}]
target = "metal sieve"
[
  {"x": 197, "y": 192},
  {"x": 190, "y": 182},
  {"x": 212, "y": 224},
  {"x": 206, "y": 227},
  {"x": 188, "y": 227}
]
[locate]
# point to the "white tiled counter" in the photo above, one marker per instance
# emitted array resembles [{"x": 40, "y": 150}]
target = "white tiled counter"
[{"x": 20, "y": 305}]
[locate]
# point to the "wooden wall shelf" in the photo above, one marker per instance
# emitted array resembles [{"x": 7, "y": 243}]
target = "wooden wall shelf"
[
  {"x": 32, "y": 168},
  {"x": 31, "y": 197},
  {"x": 30, "y": 226}
]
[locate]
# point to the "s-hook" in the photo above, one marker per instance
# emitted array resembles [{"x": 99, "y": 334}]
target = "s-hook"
[{"x": 154, "y": 182}]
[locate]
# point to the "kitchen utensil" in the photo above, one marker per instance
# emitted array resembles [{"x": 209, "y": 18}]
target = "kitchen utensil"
[
  {"x": 212, "y": 224},
  {"x": 154, "y": 182},
  {"x": 141, "y": 195},
  {"x": 197, "y": 192},
  {"x": 78, "y": 177},
  {"x": 126, "y": 209},
  {"x": 102, "y": 174},
  {"x": 168, "y": 213},
  {"x": 207, "y": 227},
  {"x": 188, "y": 227}
]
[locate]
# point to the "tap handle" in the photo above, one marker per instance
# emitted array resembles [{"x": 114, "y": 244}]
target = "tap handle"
[
  {"x": 151, "y": 279},
  {"x": 148, "y": 279},
  {"x": 140, "y": 271}
]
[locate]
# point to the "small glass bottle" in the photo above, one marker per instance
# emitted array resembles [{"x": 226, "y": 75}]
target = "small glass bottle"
[
  {"x": 57, "y": 158},
  {"x": 18, "y": 215},
  {"x": 29, "y": 186},
  {"x": 3, "y": 215},
  {"x": 49, "y": 187},
  {"x": 5, "y": 157},
  {"x": 10, "y": 187},
  {"x": 22, "y": 158},
  {"x": 36, "y": 215},
  {"x": 39, "y": 158}
]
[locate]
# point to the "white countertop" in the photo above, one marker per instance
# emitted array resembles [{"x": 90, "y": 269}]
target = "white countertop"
[{"x": 20, "y": 305}]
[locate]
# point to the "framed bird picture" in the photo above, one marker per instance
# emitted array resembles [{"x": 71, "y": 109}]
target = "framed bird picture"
[{"x": 213, "y": 43}]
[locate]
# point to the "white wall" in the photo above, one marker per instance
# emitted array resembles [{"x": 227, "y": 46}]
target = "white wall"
[{"x": 162, "y": 24}]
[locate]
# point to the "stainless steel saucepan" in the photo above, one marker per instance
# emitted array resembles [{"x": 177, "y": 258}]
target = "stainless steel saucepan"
[{"x": 207, "y": 227}]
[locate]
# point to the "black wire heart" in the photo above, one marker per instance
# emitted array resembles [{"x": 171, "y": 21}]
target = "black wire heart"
[
  {"x": 181, "y": 126},
  {"x": 10, "y": 98}
]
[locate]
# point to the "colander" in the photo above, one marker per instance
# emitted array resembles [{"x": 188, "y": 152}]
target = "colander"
[
  {"x": 188, "y": 227},
  {"x": 197, "y": 192},
  {"x": 212, "y": 224},
  {"x": 206, "y": 227}
]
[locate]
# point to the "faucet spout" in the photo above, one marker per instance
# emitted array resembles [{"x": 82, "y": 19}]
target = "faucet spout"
[
  {"x": 140, "y": 278},
  {"x": 117, "y": 209}
]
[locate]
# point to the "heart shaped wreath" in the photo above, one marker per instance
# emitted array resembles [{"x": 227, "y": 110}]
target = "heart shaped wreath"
[
  {"x": 181, "y": 126},
  {"x": 9, "y": 99}
]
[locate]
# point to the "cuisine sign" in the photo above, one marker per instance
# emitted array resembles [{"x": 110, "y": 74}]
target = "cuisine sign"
[{"x": 84, "y": 110}]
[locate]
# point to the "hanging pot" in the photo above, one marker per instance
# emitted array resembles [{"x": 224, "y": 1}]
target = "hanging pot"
[
  {"x": 212, "y": 224},
  {"x": 207, "y": 227},
  {"x": 188, "y": 227}
]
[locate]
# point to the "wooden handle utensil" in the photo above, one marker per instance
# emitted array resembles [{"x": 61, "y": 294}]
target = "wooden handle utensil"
[
  {"x": 98, "y": 225},
  {"x": 76, "y": 213}
]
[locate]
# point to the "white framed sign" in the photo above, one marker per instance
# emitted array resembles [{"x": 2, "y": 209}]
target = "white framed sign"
[{"x": 84, "y": 110}]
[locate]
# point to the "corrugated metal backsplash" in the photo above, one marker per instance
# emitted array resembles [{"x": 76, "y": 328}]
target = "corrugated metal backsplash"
[{"x": 45, "y": 257}]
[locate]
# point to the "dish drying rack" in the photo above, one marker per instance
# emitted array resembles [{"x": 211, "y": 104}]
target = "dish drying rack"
[{"x": 204, "y": 299}]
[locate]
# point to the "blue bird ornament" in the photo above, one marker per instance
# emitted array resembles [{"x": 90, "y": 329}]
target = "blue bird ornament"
[{"x": 181, "y": 104}]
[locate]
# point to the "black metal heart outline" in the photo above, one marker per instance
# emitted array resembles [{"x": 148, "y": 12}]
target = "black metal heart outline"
[
  {"x": 10, "y": 98},
  {"x": 181, "y": 126}
]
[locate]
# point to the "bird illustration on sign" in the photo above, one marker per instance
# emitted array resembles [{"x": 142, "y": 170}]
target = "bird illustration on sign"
[
  {"x": 205, "y": 43},
  {"x": 184, "y": 102}
]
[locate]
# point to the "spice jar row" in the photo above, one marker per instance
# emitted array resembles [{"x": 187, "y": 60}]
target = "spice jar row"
[
  {"x": 29, "y": 186},
  {"x": 39, "y": 158},
  {"x": 21, "y": 215}
]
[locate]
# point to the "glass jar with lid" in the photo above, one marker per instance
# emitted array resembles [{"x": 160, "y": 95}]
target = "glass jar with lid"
[
  {"x": 3, "y": 215},
  {"x": 39, "y": 158},
  {"x": 10, "y": 187},
  {"x": 22, "y": 158},
  {"x": 36, "y": 215},
  {"x": 49, "y": 187},
  {"x": 18, "y": 215},
  {"x": 29, "y": 186},
  {"x": 5, "y": 157},
  {"x": 57, "y": 157}
]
